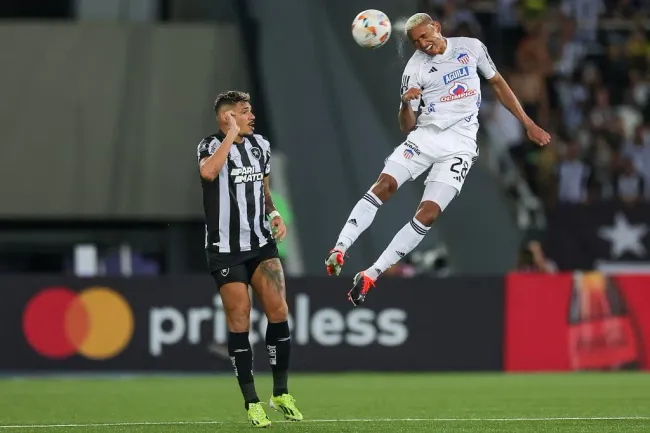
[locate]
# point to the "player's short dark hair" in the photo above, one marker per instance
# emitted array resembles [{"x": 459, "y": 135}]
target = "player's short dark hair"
[{"x": 230, "y": 97}]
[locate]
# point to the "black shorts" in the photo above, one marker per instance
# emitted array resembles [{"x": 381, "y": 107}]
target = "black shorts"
[{"x": 238, "y": 267}]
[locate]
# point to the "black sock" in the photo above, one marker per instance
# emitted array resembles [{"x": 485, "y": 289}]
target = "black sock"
[
  {"x": 278, "y": 344},
  {"x": 241, "y": 356}
]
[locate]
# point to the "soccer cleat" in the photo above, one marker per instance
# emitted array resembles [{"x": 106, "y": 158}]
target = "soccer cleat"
[
  {"x": 334, "y": 262},
  {"x": 362, "y": 285},
  {"x": 257, "y": 416},
  {"x": 286, "y": 404}
]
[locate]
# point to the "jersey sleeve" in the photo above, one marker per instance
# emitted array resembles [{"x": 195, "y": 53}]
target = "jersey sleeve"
[
  {"x": 267, "y": 160},
  {"x": 411, "y": 79},
  {"x": 206, "y": 148},
  {"x": 484, "y": 64}
]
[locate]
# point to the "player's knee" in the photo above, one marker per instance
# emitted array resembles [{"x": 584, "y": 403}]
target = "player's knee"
[
  {"x": 238, "y": 320},
  {"x": 428, "y": 212},
  {"x": 385, "y": 187},
  {"x": 278, "y": 312}
]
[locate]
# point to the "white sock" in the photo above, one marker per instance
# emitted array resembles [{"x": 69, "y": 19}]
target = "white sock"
[
  {"x": 403, "y": 243},
  {"x": 360, "y": 219}
]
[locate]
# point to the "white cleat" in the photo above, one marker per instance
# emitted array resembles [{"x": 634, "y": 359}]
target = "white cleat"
[{"x": 334, "y": 262}]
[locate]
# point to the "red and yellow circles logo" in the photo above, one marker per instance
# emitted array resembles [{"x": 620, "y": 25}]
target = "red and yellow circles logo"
[{"x": 96, "y": 323}]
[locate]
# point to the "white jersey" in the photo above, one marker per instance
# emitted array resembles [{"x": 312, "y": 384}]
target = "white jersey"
[{"x": 451, "y": 88}]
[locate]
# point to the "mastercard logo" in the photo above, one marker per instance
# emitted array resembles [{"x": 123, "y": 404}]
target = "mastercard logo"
[{"x": 96, "y": 323}]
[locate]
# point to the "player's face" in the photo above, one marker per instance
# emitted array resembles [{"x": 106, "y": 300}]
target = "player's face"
[
  {"x": 245, "y": 118},
  {"x": 427, "y": 38}
]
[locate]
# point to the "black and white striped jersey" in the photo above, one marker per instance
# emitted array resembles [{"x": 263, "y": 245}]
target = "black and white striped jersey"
[{"x": 235, "y": 219}]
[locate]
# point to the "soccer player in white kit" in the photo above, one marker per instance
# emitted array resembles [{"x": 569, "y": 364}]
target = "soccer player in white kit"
[{"x": 441, "y": 81}]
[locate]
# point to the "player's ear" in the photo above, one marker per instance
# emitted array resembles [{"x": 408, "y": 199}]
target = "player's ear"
[{"x": 437, "y": 26}]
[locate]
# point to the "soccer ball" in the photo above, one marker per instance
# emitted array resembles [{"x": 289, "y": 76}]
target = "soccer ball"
[{"x": 371, "y": 28}]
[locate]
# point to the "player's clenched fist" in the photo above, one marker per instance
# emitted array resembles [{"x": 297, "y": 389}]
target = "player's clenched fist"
[{"x": 411, "y": 94}]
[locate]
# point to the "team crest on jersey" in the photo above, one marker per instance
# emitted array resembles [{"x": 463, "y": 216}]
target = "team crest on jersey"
[
  {"x": 257, "y": 154},
  {"x": 225, "y": 272},
  {"x": 463, "y": 58},
  {"x": 458, "y": 91},
  {"x": 411, "y": 150}
]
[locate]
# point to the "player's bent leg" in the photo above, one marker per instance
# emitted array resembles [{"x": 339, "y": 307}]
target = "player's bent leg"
[
  {"x": 362, "y": 215},
  {"x": 237, "y": 306},
  {"x": 389, "y": 182},
  {"x": 269, "y": 286},
  {"x": 435, "y": 199}
]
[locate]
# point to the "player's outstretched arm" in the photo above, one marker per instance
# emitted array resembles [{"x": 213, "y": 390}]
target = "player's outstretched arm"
[
  {"x": 507, "y": 97},
  {"x": 211, "y": 166}
]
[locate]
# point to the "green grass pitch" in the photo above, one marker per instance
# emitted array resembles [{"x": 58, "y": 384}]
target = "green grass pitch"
[{"x": 577, "y": 402}]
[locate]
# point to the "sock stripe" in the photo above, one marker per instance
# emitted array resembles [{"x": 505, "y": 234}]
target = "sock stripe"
[
  {"x": 418, "y": 229},
  {"x": 372, "y": 200}
]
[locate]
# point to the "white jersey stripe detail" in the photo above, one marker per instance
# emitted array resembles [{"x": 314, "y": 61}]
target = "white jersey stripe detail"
[
  {"x": 258, "y": 192},
  {"x": 224, "y": 211},
  {"x": 244, "y": 227}
]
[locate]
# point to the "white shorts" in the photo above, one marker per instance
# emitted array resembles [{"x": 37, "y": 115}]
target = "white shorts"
[{"x": 448, "y": 154}]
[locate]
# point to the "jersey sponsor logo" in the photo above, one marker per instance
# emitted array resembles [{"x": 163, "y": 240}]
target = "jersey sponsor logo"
[
  {"x": 463, "y": 58},
  {"x": 246, "y": 174},
  {"x": 453, "y": 76},
  {"x": 458, "y": 91},
  {"x": 431, "y": 108}
]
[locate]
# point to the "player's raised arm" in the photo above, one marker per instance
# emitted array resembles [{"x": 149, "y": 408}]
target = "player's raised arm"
[
  {"x": 506, "y": 96},
  {"x": 212, "y": 165}
]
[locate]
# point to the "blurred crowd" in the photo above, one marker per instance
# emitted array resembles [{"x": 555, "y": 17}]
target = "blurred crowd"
[{"x": 581, "y": 69}]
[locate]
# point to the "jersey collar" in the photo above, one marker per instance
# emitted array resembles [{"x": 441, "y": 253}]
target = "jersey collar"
[
  {"x": 221, "y": 136},
  {"x": 448, "y": 51}
]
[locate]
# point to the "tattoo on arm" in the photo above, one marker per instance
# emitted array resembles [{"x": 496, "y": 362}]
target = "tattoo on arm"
[
  {"x": 269, "y": 206},
  {"x": 274, "y": 274}
]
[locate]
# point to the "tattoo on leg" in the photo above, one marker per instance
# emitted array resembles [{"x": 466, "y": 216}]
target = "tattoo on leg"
[{"x": 273, "y": 273}]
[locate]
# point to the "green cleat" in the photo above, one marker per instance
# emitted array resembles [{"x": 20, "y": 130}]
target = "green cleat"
[
  {"x": 286, "y": 404},
  {"x": 257, "y": 416}
]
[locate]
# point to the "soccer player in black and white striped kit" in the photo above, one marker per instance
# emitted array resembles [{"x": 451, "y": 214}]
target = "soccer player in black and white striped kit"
[{"x": 240, "y": 244}]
